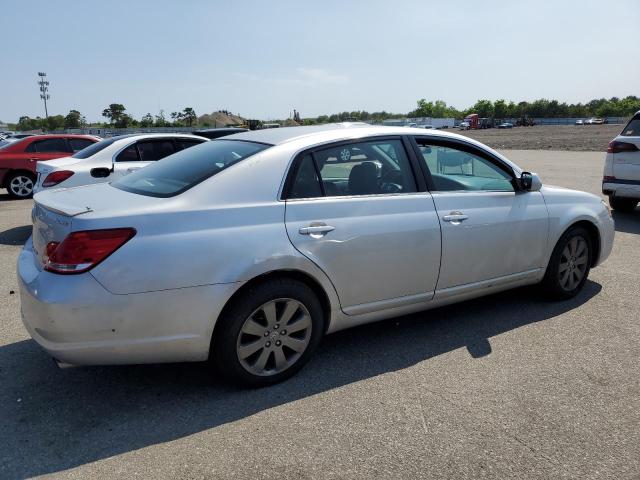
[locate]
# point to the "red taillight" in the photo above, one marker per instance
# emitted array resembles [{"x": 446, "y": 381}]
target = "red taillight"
[
  {"x": 621, "y": 147},
  {"x": 54, "y": 178},
  {"x": 81, "y": 251}
]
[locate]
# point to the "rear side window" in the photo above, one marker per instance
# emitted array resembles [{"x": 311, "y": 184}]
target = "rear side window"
[
  {"x": 187, "y": 168},
  {"x": 633, "y": 128},
  {"x": 78, "y": 144},
  {"x": 305, "y": 181},
  {"x": 155, "y": 150},
  {"x": 363, "y": 168},
  {"x": 50, "y": 145},
  {"x": 129, "y": 154}
]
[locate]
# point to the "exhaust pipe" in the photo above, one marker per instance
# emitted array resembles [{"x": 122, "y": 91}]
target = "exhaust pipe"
[{"x": 63, "y": 365}]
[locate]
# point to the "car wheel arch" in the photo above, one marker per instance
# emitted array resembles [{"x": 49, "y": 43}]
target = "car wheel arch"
[
  {"x": 292, "y": 274},
  {"x": 11, "y": 172},
  {"x": 594, "y": 236}
]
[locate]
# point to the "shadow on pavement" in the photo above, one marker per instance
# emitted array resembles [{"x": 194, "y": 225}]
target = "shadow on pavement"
[
  {"x": 16, "y": 235},
  {"x": 627, "y": 222},
  {"x": 53, "y": 420}
]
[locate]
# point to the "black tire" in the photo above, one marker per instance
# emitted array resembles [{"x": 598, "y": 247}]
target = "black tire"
[
  {"x": 223, "y": 353},
  {"x": 20, "y": 192},
  {"x": 626, "y": 205},
  {"x": 551, "y": 283}
]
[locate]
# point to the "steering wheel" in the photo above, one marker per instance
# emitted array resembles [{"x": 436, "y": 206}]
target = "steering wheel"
[{"x": 391, "y": 181}]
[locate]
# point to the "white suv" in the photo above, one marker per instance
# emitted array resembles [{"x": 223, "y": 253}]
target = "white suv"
[
  {"x": 110, "y": 159},
  {"x": 621, "y": 180}
]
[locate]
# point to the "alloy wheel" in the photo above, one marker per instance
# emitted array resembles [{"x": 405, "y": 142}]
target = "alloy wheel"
[
  {"x": 21, "y": 186},
  {"x": 274, "y": 337},
  {"x": 573, "y": 263}
]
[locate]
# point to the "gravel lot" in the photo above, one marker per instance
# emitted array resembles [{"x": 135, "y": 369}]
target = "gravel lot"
[
  {"x": 548, "y": 137},
  {"x": 508, "y": 386}
]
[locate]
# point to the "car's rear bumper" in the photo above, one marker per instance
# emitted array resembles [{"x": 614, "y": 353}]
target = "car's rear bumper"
[
  {"x": 77, "y": 321},
  {"x": 622, "y": 188}
]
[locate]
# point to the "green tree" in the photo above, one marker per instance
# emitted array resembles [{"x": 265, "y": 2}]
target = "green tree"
[
  {"x": 189, "y": 116},
  {"x": 500, "y": 109},
  {"x": 161, "y": 121},
  {"x": 146, "y": 121},
  {"x": 484, "y": 108},
  {"x": 74, "y": 119}
]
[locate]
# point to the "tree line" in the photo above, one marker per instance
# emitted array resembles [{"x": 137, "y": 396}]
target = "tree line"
[
  {"x": 542, "y": 108},
  {"x": 118, "y": 117}
]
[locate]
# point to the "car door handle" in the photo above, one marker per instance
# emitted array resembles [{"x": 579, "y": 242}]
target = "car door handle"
[
  {"x": 134, "y": 169},
  {"x": 315, "y": 229},
  {"x": 455, "y": 217}
]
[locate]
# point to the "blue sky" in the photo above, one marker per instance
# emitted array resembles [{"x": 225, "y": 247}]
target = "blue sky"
[{"x": 262, "y": 59}]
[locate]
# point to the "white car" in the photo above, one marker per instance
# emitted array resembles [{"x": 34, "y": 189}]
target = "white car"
[
  {"x": 110, "y": 159},
  {"x": 246, "y": 250},
  {"x": 621, "y": 179}
]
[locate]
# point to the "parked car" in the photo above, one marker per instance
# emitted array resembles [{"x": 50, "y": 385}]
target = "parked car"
[
  {"x": 110, "y": 159},
  {"x": 464, "y": 126},
  {"x": 247, "y": 250},
  {"x": 506, "y": 125},
  {"x": 621, "y": 180},
  {"x": 580, "y": 122},
  {"x": 212, "y": 133},
  {"x": 18, "y": 160},
  {"x": 594, "y": 121}
]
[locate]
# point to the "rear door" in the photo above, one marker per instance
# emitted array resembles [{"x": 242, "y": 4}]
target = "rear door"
[
  {"x": 626, "y": 165},
  {"x": 356, "y": 211},
  {"x": 142, "y": 153}
]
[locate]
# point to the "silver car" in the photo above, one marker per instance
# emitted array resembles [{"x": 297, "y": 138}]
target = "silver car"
[{"x": 248, "y": 249}]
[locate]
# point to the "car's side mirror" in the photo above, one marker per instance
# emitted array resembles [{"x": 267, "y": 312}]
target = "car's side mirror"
[
  {"x": 100, "y": 172},
  {"x": 529, "y": 182}
]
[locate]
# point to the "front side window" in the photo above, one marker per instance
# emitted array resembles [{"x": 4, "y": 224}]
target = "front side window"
[
  {"x": 461, "y": 170},
  {"x": 184, "y": 144},
  {"x": 129, "y": 154},
  {"x": 187, "y": 168},
  {"x": 363, "y": 168}
]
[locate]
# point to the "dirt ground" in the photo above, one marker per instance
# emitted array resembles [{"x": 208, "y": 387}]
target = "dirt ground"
[{"x": 587, "y": 138}]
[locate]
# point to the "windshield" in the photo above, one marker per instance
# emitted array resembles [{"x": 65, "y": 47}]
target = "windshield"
[
  {"x": 179, "y": 172},
  {"x": 95, "y": 148}
]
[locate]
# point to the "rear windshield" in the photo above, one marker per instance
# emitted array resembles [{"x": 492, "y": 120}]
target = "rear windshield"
[
  {"x": 633, "y": 128},
  {"x": 94, "y": 148},
  {"x": 179, "y": 172}
]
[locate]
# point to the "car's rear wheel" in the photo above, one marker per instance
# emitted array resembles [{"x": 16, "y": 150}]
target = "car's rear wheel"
[
  {"x": 20, "y": 185},
  {"x": 268, "y": 333},
  {"x": 569, "y": 265},
  {"x": 623, "y": 204}
]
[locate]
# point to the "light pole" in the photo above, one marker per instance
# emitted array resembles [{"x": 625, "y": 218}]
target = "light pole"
[{"x": 44, "y": 89}]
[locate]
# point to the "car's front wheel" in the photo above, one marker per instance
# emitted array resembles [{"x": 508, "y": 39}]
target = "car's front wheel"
[
  {"x": 20, "y": 185},
  {"x": 268, "y": 333},
  {"x": 623, "y": 204},
  {"x": 569, "y": 265}
]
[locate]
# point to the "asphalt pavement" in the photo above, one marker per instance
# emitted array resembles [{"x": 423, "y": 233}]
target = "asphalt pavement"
[{"x": 508, "y": 386}]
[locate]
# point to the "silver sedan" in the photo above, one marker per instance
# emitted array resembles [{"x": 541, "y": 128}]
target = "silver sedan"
[{"x": 246, "y": 250}]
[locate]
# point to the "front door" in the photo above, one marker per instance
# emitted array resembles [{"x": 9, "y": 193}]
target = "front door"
[
  {"x": 355, "y": 211},
  {"x": 489, "y": 229}
]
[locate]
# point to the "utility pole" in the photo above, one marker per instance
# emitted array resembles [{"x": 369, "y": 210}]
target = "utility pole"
[{"x": 44, "y": 89}]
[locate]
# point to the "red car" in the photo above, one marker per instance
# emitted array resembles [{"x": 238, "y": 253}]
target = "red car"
[{"x": 18, "y": 159}]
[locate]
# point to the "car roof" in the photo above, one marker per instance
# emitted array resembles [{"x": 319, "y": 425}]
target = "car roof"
[
  {"x": 330, "y": 132},
  {"x": 222, "y": 129},
  {"x": 140, "y": 136}
]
